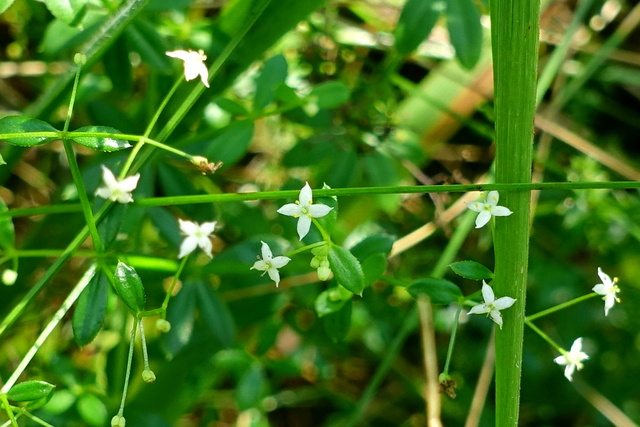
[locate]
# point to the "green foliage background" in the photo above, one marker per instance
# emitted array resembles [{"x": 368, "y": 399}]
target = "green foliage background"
[{"x": 350, "y": 94}]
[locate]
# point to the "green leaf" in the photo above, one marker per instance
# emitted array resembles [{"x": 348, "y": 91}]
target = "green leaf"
[
  {"x": 99, "y": 142},
  {"x": 24, "y": 125},
  {"x": 181, "y": 315},
  {"x": 7, "y": 231},
  {"x": 215, "y": 314},
  {"x": 232, "y": 144},
  {"x": 251, "y": 388},
  {"x": 330, "y": 94},
  {"x": 91, "y": 309},
  {"x": 68, "y": 11},
  {"x": 29, "y": 391},
  {"x": 337, "y": 324},
  {"x": 129, "y": 287},
  {"x": 471, "y": 270},
  {"x": 332, "y": 300},
  {"x": 92, "y": 410},
  {"x": 465, "y": 31},
  {"x": 5, "y": 4},
  {"x": 347, "y": 269},
  {"x": 440, "y": 291},
  {"x": 416, "y": 21},
  {"x": 374, "y": 267},
  {"x": 371, "y": 245},
  {"x": 274, "y": 72}
]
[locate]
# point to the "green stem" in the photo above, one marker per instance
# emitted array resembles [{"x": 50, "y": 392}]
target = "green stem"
[
  {"x": 127, "y": 375},
  {"x": 57, "y": 317},
  {"x": 8, "y": 410},
  {"x": 559, "y": 307},
  {"x": 452, "y": 340},
  {"x": 176, "y": 276},
  {"x": 305, "y": 248},
  {"x": 514, "y": 35},
  {"x": 545, "y": 336}
]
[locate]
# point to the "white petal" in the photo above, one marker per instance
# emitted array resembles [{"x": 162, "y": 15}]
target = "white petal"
[
  {"x": 609, "y": 301},
  {"x": 189, "y": 244},
  {"x": 500, "y": 211},
  {"x": 305, "y": 195},
  {"x": 274, "y": 275},
  {"x": 205, "y": 245},
  {"x": 561, "y": 360},
  {"x": 568, "y": 371},
  {"x": 266, "y": 252},
  {"x": 496, "y": 317},
  {"x": 260, "y": 265},
  {"x": 487, "y": 293},
  {"x": 503, "y": 302},
  {"x": 189, "y": 228},
  {"x": 180, "y": 54},
  {"x": 476, "y": 206},
  {"x": 576, "y": 347},
  {"x": 290, "y": 209},
  {"x": 203, "y": 72},
  {"x": 606, "y": 279},
  {"x": 123, "y": 197},
  {"x": 280, "y": 261},
  {"x": 108, "y": 178},
  {"x": 103, "y": 192},
  {"x": 208, "y": 227},
  {"x": 483, "y": 218},
  {"x": 479, "y": 309},
  {"x": 601, "y": 289},
  {"x": 492, "y": 198},
  {"x": 129, "y": 183},
  {"x": 304, "y": 224},
  {"x": 319, "y": 210}
]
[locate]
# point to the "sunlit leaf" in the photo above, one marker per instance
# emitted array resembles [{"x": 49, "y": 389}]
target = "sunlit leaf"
[
  {"x": 23, "y": 126},
  {"x": 28, "y": 391},
  {"x": 416, "y": 21},
  {"x": 99, "y": 142},
  {"x": 471, "y": 270}
]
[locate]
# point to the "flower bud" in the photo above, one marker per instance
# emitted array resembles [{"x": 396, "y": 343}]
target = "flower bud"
[
  {"x": 148, "y": 376},
  {"x": 9, "y": 277},
  {"x": 118, "y": 421},
  {"x": 324, "y": 273},
  {"x": 163, "y": 326},
  {"x": 315, "y": 262}
]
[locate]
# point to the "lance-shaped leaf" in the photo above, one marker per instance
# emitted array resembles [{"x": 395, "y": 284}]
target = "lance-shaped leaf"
[
  {"x": 102, "y": 143},
  {"x": 129, "y": 287},
  {"x": 347, "y": 269},
  {"x": 465, "y": 31},
  {"x": 29, "y": 391},
  {"x": 24, "y": 126},
  {"x": 90, "y": 310},
  {"x": 471, "y": 270},
  {"x": 440, "y": 291},
  {"x": 416, "y": 21}
]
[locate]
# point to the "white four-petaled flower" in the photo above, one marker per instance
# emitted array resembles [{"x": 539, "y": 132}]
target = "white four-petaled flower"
[
  {"x": 304, "y": 210},
  {"x": 194, "y": 65},
  {"x": 491, "y": 305},
  {"x": 270, "y": 264},
  {"x": 117, "y": 190},
  {"x": 608, "y": 289},
  {"x": 196, "y": 235},
  {"x": 487, "y": 206},
  {"x": 572, "y": 359}
]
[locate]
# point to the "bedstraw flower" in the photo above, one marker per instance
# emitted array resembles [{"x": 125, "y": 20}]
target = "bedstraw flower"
[
  {"x": 487, "y": 207},
  {"x": 608, "y": 289},
  {"x": 196, "y": 235},
  {"x": 304, "y": 210},
  {"x": 572, "y": 359},
  {"x": 194, "y": 65},
  {"x": 491, "y": 305},
  {"x": 270, "y": 264},
  {"x": 117, "y": 190}
]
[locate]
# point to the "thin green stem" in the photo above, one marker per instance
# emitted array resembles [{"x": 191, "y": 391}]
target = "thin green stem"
[
  {"x": 560, "y": 307},
  {"x": 325, "y": 235},
  {"x": 72, "y": 101},
  {"x": 57, "y": 317},
  {"x": 127, "y": 375},
  {"x": 8, "y": 410},
  {"x": 35, "y": 419},
  {"x": 82, "y": 194},
  {"x": 545, "y": 336},
  {"x": 143, "y": 342},
  {"x": 452, "y": 340},
  {"x": 176, "y": 276},
  {"x": 305, "y": 248}
]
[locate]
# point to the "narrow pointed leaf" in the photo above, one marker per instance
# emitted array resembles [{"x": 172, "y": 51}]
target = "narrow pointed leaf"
[
  {"x": 90, "y": 311},
  {"x": 416, "y": 21},
  {"x": 29, "y": 391},
  {"x": 68, "y": 11},
  {"x": 25, "y": 125},
  {"x": 215, "y": 314},
  {"x": 4, "y": 5},
  {"x": 471, "y": 270},
  {"x": 440, "y": 291},
  {"x": 465, "y": 31},
  {"x": 347, "y": 269},
  {"x": 129, "y": 287},
  {"x": 100, "y": 143}
]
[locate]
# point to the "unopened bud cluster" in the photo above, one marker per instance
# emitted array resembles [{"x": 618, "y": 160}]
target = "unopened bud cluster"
[{"x": 320, "y": 261}]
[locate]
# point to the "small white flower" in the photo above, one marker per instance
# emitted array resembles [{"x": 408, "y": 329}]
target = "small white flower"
[
  {"x": 487, "y": 207},
  {"x": 608, "y": 289},
  {"x": 269, "y": 264},
  {"x": 9, "y": 277},
  {"x": 115, "y": 190},
  {"x": 491, "y": 305},
  {"x": 304, "y": 210},
  {"x": 196, "y": 235},
  {"x": 194, "y": 65},
  {"x": 572, "y": 359}
]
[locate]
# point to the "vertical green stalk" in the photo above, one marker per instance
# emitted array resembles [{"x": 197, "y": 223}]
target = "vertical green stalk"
[{"x": 514, "y": 31}]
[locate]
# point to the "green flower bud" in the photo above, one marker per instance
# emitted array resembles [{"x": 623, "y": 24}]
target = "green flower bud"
[
  {"x": 315, "y": 262},
  {"x": 118, "y": 421},
  {"x": 163, "y": 326},
  {"x": 324, "y": 273},
  {"x": 148, "y": 376}
]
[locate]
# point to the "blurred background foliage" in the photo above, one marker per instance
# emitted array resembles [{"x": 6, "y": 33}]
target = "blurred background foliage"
[{"x": 351, "y": 93}]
